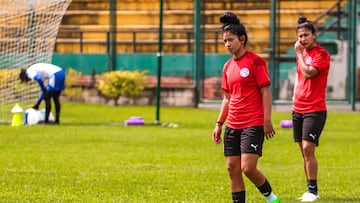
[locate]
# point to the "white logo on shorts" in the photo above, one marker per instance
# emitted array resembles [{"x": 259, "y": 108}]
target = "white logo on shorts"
[
  {"x": 254, "y": 146},
  {"x": 313, "y": 136}
]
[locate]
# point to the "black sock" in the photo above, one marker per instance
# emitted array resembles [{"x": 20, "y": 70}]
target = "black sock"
[
  {"x": 265, "y": 189},
  {"x": 312, "y": 186},
  {"x": 238, "y": 197}
]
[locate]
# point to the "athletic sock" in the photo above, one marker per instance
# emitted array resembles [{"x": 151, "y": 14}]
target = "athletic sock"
[
  {"x": 238, "y": 197},
  {"x": 312, "y": 186},
  {"x": 266, "y": 190}
]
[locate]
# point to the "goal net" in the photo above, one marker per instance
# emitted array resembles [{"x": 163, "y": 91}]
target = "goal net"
[{"x": 28, "y": 30}]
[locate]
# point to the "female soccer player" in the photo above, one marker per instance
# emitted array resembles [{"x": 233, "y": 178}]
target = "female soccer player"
[
  {"x": 56, "y": 84},
  {"x": 309, "y": 107},
  {"x": 247, "y": 107}
]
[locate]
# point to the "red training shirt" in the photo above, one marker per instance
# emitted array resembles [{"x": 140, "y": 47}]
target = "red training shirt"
[
  {"x": 242, "y": 79},
  {"x": 310, "y": 93}
]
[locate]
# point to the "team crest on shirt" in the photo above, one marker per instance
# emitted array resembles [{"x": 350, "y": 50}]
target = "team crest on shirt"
[
  {"x": 308, "y": 60},
  {"x": 244, "y": 72}
]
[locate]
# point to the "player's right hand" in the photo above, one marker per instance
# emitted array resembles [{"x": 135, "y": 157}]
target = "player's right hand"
[{"x": 36, "y": 106}]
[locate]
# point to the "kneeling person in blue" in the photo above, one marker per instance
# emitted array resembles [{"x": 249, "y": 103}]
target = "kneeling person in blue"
[{"x": 55, "y": 85}]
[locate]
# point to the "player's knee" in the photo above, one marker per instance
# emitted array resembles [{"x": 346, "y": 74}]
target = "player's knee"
[
  {"x": 308, "y": 151},
  {"x": 233, "y": 166},
  {"x": 248, "y": 169}
]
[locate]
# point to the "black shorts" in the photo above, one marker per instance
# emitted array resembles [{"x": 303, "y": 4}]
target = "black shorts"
[
  {"x": 308, "y": 126},
  {"x": 247, "y": 140}
]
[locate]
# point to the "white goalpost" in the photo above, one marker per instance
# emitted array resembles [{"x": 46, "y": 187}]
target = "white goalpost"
[{"x": 28, "y": 30}]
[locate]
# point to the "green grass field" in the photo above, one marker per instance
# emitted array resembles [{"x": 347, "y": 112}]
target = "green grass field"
[{"x": 89, "y": 158}]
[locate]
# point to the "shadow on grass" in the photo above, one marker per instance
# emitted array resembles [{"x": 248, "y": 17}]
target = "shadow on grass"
[
  {"x": 326, "y": 199},
  {"x": 107, "y": 124},
  {"x": 87, "y": 124},
  {"x": 340, "y": 199}
]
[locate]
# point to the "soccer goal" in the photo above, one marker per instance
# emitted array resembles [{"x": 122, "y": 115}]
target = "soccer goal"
[{"x": 28, "y": 30}]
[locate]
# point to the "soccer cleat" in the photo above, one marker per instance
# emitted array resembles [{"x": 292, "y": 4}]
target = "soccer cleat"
[
  {"x": 276, "y": 200},
  {"x": 309, "y": 197}
]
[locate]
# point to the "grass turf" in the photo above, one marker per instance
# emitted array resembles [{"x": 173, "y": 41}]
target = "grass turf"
[{"x": 89, "y": 158}]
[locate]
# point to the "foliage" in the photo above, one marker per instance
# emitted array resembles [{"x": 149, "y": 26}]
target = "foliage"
[
  {"x": 90, "y": 157},
  {"x": 114, "y": 84},
  {"x": 10, "y": 84},
  {"x": 9, "y": 76},
  {"x": 71, "y": 90}
]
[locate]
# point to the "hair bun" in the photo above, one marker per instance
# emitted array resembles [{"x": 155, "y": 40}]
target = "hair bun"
[
  {"x": 302, "y": 19},
  {"x": 229, "y": 18}
]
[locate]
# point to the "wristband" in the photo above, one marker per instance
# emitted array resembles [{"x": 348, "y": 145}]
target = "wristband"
[{"x": 218, "y": 122}]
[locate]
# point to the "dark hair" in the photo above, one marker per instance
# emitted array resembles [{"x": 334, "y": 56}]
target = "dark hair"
[
  {"x": 304, "y": 23},
  {"x": 23, "y": 77},
  {"x": 231, "y": 23}
]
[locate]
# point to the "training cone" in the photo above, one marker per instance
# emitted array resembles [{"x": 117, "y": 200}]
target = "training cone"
[{"x": 17, "y": 115}]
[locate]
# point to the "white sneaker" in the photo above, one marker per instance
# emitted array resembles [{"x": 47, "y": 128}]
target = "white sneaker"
[{"x": 309, "y": 197}]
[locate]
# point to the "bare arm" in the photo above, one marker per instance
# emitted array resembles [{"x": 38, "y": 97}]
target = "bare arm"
[
  {"x": 216, "y": 135},
  {"x": 267, "y": 101},
  {"x": 295, "y": 84}
]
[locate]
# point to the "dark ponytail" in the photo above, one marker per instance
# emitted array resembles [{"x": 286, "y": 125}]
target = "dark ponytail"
[
  {"x": 22, "y": 75},
  {"x": 231, "y": 23},
  {"x": 304, "y": 23}
]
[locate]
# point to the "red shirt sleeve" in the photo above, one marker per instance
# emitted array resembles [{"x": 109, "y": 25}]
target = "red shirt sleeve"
[
  {"x": 261, "y": 73},
  {"x": 321, "y": 60}
]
